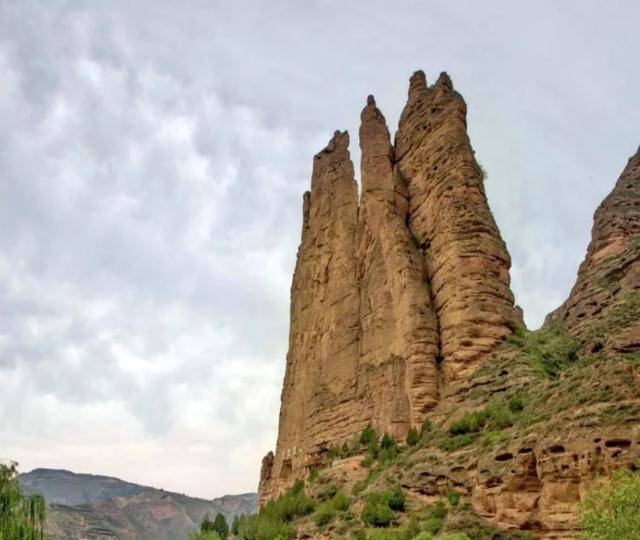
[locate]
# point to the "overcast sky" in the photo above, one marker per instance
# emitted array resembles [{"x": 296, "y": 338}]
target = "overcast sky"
[{"x": 153, "y": 157}]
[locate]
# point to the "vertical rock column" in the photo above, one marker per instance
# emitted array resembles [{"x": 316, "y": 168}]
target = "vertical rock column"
[
  {"x": 467, "y": 262},
  {"x": 399, "y": 340},
  {"x": 320, "y": 386}
]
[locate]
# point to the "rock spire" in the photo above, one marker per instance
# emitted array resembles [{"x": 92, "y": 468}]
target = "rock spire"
[{"x": 394, "y": 295}]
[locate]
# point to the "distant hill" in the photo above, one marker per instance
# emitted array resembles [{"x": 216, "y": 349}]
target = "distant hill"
[{"x": 93, "y": 507}]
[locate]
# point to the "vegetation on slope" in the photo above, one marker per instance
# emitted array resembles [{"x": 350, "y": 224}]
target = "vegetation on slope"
[{"x": 22, "y": 517}]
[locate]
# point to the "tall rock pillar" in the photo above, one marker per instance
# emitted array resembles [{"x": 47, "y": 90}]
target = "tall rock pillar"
[
  {"x": 466, "y": 260},
  {"x": 399, "y": 339}
]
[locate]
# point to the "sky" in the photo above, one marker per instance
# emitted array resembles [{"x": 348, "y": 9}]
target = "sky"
[{"x": 153, "y": 156}]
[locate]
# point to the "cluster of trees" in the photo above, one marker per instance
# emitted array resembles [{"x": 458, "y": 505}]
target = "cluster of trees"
[
  {"x": 21, "y": 517},
  {"x": 218, "y": 529}
]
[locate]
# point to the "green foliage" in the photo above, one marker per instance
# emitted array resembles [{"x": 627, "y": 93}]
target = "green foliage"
[
  {"x": 206, "y": 535},
  {"x": 425, "y": 429},
  {"x": 612, "y": 509},
  {"x": 234, "y": 525},
  {"x": 434, "y": 518},
  {"x": 515, "y": 404},
  {"x": 324, "y": 514},
  {"x": 274, "y": 519},
  {"x": 549, "y": 349},
  {"x": 341, "y": 502},
  {"x": 387, "y": 455},
  {"x": 453, "y": 536},
  {"x": 367, "y": 461},
  {"x": 22, "y": 517},
  {"x": 358, "y": 487},
  {"x": 454, "y": 498},
  {"x": 368, "y": 436},
  {"x": 376, "y": 511},
  {"x": 379, "y": 508},
  {"x": 313, "y": 475},
  {"x": 387, "y": 442},
  {"x": 327, "y": 491},
  {"x": 220, "y": 526},
  {"x": 459, "y": 441},
  {"x": 413, "y": 437},
  {"x": 396, "y": 499}
]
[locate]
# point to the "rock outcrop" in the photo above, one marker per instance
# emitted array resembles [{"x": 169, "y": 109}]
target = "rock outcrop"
[
  {"x": 466, "y": 260},
  {"x": 603, "y": 309},
  {"x": 394, "y": 295}
]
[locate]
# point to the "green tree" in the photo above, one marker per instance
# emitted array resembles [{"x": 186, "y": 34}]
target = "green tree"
[
  {"x": 21, "y": 517},
  {"x": 235, "y": 524},
  {"x": 413, "y": 437},
  {"x": 220, "y": 526},
  {"x": 612, "y": 509}
]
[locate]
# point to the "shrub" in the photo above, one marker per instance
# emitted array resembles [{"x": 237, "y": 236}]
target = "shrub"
[
  {"x": 413, "y": 437},
  {"x": 396, "y": 499},
  {"x": 367, "y": 461},
  {"x": 459, "y": 441},
  {"x": 341, "y": 502},
  {"x": 387, "y": 442},
  {"x": 453, "y": 536},
  {"x": 376, "y": 511},
  {"x": 612, "y": 509},
  {"x": 208, "y": 535},
  {"x": 454, "y": 498},
  {"x": 368, "y": 435},
  {"x": 327, "y": 491},
  {"x": 220, "y": 526},
  {"x": 426, "y": 428},
  {"x": 515, "y": 403},
  {"x": 313, "y": 475},
  {"x": 434, "y": 518},
  {"x": 325, "y": 513},
  {"x": 387, "y": 455},
  {"x": 424, "y": 535},
  {"x": 358, "y": 487}
]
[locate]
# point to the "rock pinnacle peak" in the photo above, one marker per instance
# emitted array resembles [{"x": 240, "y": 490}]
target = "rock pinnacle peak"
[
  {"x": 444, "y": 80},
  {"x": 371, "y": 100},
  {"x": 417, "y": 83}
]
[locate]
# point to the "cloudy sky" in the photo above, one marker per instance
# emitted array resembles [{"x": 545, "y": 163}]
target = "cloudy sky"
[{"x": 152, "y": 161}]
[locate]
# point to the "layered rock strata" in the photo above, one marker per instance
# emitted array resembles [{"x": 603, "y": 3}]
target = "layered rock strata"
[
  {"x": 393, "y": 296},
  {"x": 603, "y": 309},
  {"x": 466, "y": 260}
]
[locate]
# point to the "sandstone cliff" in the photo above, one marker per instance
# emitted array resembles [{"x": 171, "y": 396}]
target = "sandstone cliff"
[
  {"x": 394, "y": 295},
  {"x": 401, "y": 310},
  {"x": 603, "y": 309}
]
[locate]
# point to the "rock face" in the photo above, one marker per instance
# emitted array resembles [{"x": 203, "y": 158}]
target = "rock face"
[
  {"x": 603, "y": 309},
  {"x": 466, "y": 260},
  {"x": 394, "y": 295}
]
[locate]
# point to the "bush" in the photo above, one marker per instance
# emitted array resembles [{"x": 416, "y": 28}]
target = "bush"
[
  {"x": 424, "y": 535},
  {"x": 396, "y": 499},
  {"x": 358, "y": 487},
  {"x": 325, "y": 513},
  {"x": 612, "y": 509},
  {"x": 434, "y": 519},
  {"x": 368, "y": 436},
  {"x": 413, "y": 437},
  {"x": 341, "y": 502},
  {"x": 313, "y": 475},
  {"x": 376, "y": 511},
  {"x": 459, "y": 441},
  {"x": 208, "y": 535},
  {"x": 386, "y": 455},
  {"x": 387, "y": 442},
  {"x": 426, "y": 428},
  {"x": 367, "y": 461},
  {"x": 515, "y": 403},
  {"x": 454, "y": 498},
  {"x": 327, "y": 491}
]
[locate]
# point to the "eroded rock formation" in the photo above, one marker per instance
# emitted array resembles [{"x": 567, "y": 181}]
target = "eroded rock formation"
[
  {"x": 603, "y": 309},
  {"x": 394, "y": 295},
  {"x": 467, "y": 262}
]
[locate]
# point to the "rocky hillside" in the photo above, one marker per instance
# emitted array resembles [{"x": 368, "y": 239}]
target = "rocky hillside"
[
  {"x": 84, "y": 506},
  {"x": 402, "y": 322}
]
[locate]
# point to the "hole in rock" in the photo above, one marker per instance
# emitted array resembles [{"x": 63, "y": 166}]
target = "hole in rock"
[
  {"x": 556, "y": 449},
  {"x": 505, "y": 456},
  {"x": 525, "y": 450},
  {"x": 597, "y": 347},
  {"x": 618, "y": 443}
]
